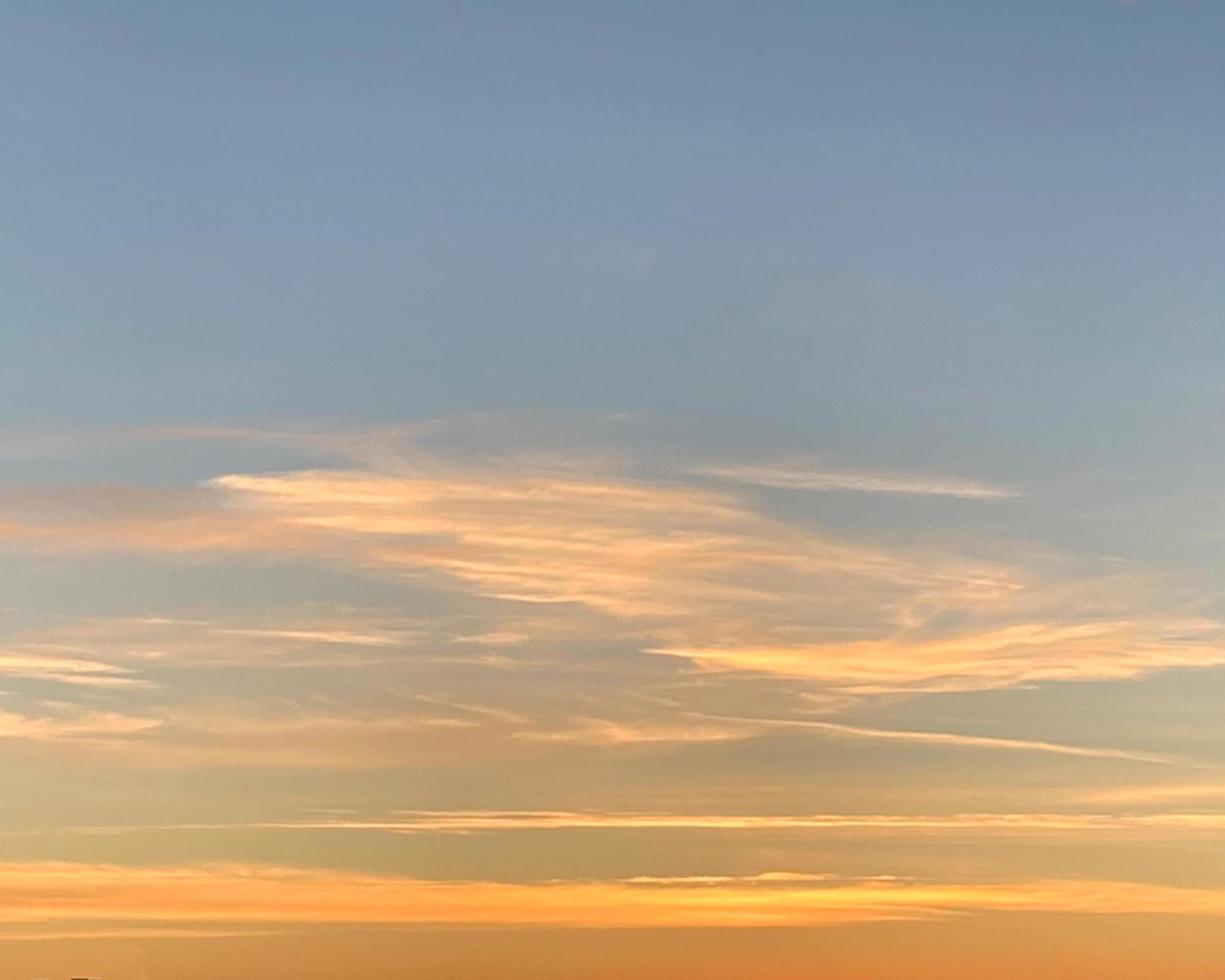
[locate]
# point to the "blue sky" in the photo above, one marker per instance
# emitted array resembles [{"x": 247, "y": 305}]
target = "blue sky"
[{"x": 984, "y": 220}]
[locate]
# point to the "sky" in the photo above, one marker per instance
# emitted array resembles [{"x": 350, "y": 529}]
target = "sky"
[{"x": 553, "y": 491}]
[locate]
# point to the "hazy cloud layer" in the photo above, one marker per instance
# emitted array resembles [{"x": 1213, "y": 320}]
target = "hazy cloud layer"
[
  {"x": 117, "y": 896},
  {"x": 555, "y": 604}
]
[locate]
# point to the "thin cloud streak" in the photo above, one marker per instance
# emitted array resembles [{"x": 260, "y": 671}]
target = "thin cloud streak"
[
  {"x": 1024, "y": 653},
  {"x": 117, "y": 896},
  {"x": 33, "y": 665},
  {"x": 75, "y": 728},
  {"x": 465, "y": 822},
  {"x": 601, "y": 731},
  {"x": 128, "y": 643},
  {"x": 809, "y": 474},
  {"x": 958, "y": 740}
]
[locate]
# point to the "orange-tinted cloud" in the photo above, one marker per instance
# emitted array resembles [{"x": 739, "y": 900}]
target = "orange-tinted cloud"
[
  {"x": 412, "y": 822},
  {"x": 612, "y": 544},
  {"x": 951, "y": 739},
  {"x": 1022, "y": 653},
  {"x": 702, "y": 576},
  {"x": 66, "y": 725},
  {"x": 32, "y": 664},
  {"x": 41, "y": 893}
]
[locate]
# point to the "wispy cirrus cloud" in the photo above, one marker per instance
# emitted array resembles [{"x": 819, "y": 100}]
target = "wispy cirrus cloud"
[
  {"x": 612, "y": 544},
  {"x": 990, "y": 823},
  {"x": 288, "y": 735},
  {"x": 1022, "y": 653},
  {"x": 952, "y": 739},
  {"x": 524, "y": 530},
  {"x": 465, "y": 822},
  {"x": 809, "y": 473},
  {"x": 41, "y": 666},
  {"x": 492, "y": 821},
  {"x": 120, "y": 646},
  {"x": 705, "y": 581},
  {"x": 256, "y": 738},
  {"x": 66, "y": 724},
  {"x": 607, "y": 732},
  {"x": 116, "y": 896}
]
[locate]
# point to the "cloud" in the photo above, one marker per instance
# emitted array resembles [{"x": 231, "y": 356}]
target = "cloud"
[
  {"x": 288, "y": 735},
  {"x": 1006, "y": 823},
  {"x": 581, "y": 552},
  {"x": 1022, "y": 653},
  {"x": 472, "y": 821},
  {"x": 117, "y": 896},
  {"x": 954, "y": 740},
  {"x": 809, "y": 474},
  {"x": 525, "y": 530},
  {"x": 340, "y": 637},
  {"x": 466, "y": 822},
  {"x": 137, "y": 643},
  {"x": 603, "y": 731},
  {"x": 614, "y": 545},
  {"x": 32, "y": 665},
  {"x": 68, "y": 725},
  {"x": 692, "y": 571}
]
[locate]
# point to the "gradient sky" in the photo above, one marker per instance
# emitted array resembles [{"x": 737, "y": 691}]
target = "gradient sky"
[{"x": 573, "y": 491}]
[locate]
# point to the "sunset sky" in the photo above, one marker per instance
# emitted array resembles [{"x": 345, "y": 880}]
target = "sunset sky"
[{"x": 581, "y": 491}]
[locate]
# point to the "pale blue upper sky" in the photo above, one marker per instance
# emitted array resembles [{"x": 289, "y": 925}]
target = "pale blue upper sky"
[{"x": 980, "y": 221}]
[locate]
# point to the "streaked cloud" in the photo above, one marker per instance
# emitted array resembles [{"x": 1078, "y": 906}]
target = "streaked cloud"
[
  {"x": 714, "y": 588},
  {"x": 613, "y": 544},
  {"x": 953, "y": 739},
  {"x": 340, "y": 637},
  {"x": 1024, "y": 653},
  {"x": 810, "y": 474},
  {"x": 120, "y": 895},
  {"x": 472, "y": 821},
  {"x": 602, "y": 731},
  {"x": 274, "y": 735},
  {"x": 33, "y": 665},
  {"x": 528, "y": 530},
  {"x": 465, "y": 822},
  {"x": 125, "y": 645},
  {"x": 65, "y": 724}
]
